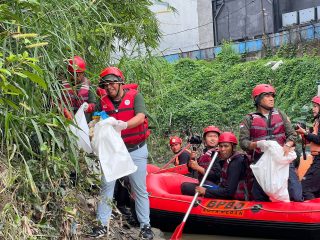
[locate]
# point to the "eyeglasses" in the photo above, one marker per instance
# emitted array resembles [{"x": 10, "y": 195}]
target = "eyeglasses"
[{"x": 105, "y": 84}]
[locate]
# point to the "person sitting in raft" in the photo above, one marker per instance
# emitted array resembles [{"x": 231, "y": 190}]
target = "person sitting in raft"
[
  {"x": 235, "y": 172},
  {"x": 210, "y": 138},
  {"x": 176, "y": 147}
]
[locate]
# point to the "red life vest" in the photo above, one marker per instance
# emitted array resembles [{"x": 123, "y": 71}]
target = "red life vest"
[
  {"x": 205, "y": 160},
  {"x": 125, "y": 112},
  {"x": 244, "y": 187},
  {"x": 76, "y": 99},
  {"x": 259, "y": 129}
]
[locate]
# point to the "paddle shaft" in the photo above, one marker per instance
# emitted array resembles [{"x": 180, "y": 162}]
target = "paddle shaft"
[
  {"x": 175, "y": 156},
  {"x": 201, "y": 183}
]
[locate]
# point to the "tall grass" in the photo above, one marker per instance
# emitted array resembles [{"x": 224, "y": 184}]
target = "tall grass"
[{"x": 37, "y": 149}]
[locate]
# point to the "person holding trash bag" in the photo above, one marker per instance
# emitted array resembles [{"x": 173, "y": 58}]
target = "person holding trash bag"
[
  {"x": 268, "y": 123},
  {"x": 210, "y": 137},
  {"x": 128, "y": 107},
  {"x": 235, "y": 173},
  {"x": 311, "y": 180},
  {"x": 77, "y": 90}
]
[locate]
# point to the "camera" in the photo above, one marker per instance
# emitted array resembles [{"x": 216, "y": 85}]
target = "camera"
[
  {"x": 195, "y": 139},
  {"x": 302, "y": 125}
]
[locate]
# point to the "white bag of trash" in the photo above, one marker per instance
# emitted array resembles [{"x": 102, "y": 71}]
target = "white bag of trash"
[
  {"x": 82, "y": 132},
  {"x": 272, "y": 170},
  {"x": 108, "y": 145}
]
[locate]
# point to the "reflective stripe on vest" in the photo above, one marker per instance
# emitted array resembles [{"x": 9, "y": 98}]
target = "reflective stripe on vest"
[
  {"x": 125, "y": 112},
  {"x": 76, "y": 99},
  {"x": 315, "y": 148}
]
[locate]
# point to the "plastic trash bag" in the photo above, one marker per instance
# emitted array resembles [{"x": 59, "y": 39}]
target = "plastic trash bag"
[
  {"x": 82, "y": 132},
  {"x": 108, "y": 145},
  {"x": 272, "y": 170}
]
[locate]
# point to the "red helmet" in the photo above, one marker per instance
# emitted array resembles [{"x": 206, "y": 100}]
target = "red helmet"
[
  {"x": 174, "y": 140},
  {"x": 77, "y": 64},
  {"x": 316, "y": 100},
  {"x": 211, "y": 129},
  {"x": 228, "y": 137},
  {"x": 262, "y": 88},
  {"x": 112, "y": 70}
]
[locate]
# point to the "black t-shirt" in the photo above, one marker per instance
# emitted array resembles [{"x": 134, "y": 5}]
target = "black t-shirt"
[
  {"x": 236, "y": 172},
  {"x": 184, "y": 157}
]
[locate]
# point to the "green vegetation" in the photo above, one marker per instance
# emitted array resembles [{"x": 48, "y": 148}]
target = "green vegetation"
[
  {"x": 193, "y": 94},
  {"x": 37, "y": 150}
]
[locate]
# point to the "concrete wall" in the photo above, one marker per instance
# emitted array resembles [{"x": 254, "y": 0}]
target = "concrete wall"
[
  {"x": 181, "y": 29},
  {"x": 295, "y": 5},
  {"x": 206, "y": 35}
]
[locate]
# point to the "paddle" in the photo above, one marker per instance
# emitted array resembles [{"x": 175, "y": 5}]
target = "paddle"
[
  {"x": 177, "y": 234},
  {"x": 174, "y": 157}
]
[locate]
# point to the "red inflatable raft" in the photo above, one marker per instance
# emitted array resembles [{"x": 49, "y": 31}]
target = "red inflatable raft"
[{"x": 294, "y": 220}]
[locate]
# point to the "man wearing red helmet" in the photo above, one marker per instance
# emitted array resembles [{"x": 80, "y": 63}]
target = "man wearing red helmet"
[
  {"x": 311, "y": 180},
  {"x": 268, "y": 123},
  {"x": 175, "y": 145},
  {"x": 210, "y": 139},
  {"x": 128, "y": 107},
  {"x": 234, "y": 172},
  {"x": 77, "y": 90}
]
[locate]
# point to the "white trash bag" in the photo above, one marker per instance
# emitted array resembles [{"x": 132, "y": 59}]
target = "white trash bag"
[
  {"x": 108, "y": 145},
  {"x": 272, "y": 170},
  {"x": 82, "y": 132}
]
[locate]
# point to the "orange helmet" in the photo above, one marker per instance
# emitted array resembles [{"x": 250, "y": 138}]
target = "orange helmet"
[
  {"x": 211, "y": 129},
  {"x": 316, "y": 100},
  {"x": 228, "y": 137},
  {"x": 76, "y": 64},
  {"x": 262, "y": 88},
  {"x": 174, "y": 140},
  {"x": 112, "y": 71}
]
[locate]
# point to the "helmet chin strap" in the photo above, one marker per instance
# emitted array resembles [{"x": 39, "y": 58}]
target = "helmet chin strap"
[{"x": 266, "y": 108}]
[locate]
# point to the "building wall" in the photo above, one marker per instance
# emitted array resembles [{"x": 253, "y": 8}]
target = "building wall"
[
  {"x": 205, "y": 20},
  {"x": 242, "y": 19},
  {"x": 180, "y": 29},
  {"x": 187, "y": 29}
]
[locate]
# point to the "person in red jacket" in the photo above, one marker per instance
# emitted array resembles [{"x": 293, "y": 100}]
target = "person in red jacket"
[
  {"x": 128, "y": 107},
  {"x": 76, "y": 90}
]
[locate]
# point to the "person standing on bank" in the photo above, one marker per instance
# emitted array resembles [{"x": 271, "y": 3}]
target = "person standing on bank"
[
  {"x": 311, "y": 180},
  {"x": 128, "y": 107},
  {"x": 268, "y": 123},
  {"x": 77, "y": 90}
]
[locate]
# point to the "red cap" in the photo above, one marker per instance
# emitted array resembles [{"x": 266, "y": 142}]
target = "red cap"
[
  {"x": 211, "y": 129},
  {"x": 112, "y": 71},
  {"x": 228, "y": 137},
  {"x": 77, "y": 64},
  {"x": 174, "y": 140},
  {"x": 316, "y": 100},
  {"x": 262, "y": 88}
]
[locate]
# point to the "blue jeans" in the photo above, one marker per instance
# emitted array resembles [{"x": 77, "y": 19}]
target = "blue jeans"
[
  {"x": 139, "y": 189},
  {"x": 294, "y": 185}
]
